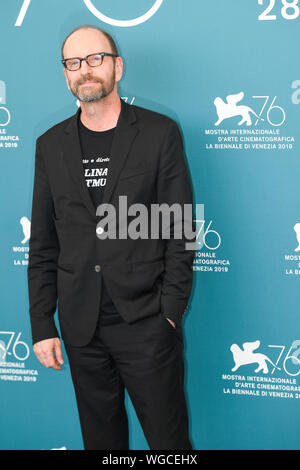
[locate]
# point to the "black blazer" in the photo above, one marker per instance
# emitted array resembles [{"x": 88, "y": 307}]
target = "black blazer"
[{"x": 66, "y": 257}]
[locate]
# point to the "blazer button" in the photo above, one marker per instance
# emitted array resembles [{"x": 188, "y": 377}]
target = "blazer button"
[{"x": 97, "y": 268}]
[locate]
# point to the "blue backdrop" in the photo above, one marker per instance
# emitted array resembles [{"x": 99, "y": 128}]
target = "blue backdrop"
[{"x": 228, "y": 72}]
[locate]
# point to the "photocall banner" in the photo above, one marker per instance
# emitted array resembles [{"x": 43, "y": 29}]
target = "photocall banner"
[{"x": 228, "y": 72}]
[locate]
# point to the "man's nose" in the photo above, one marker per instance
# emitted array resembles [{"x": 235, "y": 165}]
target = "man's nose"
[{"x": 85, "y": 68}]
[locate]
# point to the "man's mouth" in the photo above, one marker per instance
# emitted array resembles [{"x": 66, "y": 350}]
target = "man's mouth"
[{"x": 88, "y": 83}]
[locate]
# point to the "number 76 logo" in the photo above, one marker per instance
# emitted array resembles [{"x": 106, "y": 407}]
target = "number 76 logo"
[
  {"x": 203, "y": 234},
  {"x": 114, "y": 22},
  {"x": 14, "y": 346}
]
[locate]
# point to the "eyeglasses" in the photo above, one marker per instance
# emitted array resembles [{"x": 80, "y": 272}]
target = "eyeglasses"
[{"x": 93, "y": 60}]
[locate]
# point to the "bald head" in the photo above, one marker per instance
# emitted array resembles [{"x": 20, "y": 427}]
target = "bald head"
[{"x": 79, "y": 33}]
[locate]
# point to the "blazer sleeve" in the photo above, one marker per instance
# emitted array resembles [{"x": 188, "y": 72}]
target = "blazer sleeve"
[
  {"x": 174, "y": 186},
  {"x": 43, "y": 254}
]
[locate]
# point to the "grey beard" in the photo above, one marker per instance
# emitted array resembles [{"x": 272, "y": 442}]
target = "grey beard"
[
  {"x": 95, "y": 97},
  {"x": 91, "y": 98}
]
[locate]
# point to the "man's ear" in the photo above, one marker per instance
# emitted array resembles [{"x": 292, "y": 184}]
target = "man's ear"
[
  {"x": 119, "y": 68},
  {"x": 66, "y": 77}
]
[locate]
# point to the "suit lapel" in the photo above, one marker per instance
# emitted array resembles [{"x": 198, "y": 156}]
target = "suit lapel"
[{"x": 124, "y": 135}]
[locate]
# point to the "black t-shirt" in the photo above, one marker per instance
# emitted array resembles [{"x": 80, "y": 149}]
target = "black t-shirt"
[{"x": 95, "y": 147}]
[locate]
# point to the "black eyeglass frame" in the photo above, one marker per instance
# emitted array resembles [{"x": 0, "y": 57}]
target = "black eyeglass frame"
[{"x": 86, "y": 59}]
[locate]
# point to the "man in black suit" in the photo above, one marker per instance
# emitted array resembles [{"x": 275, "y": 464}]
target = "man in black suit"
[{"x": 120, "y": 300}]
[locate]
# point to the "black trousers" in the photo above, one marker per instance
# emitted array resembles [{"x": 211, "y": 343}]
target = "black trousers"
[{"x": 146, "y": 357}]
